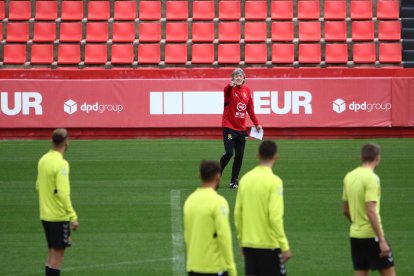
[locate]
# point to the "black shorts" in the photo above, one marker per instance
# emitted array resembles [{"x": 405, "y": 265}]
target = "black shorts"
[
  {"x": 365, "y": 255},
  {"x": 264, "y": 262},
  {"x": 234, "y": 140},
  {"x": 57, "y": 234},
  {"x": 207, "y": 274}
]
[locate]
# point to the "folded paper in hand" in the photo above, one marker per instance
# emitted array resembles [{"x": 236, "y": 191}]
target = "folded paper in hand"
[{"x": 256, "y": 134}]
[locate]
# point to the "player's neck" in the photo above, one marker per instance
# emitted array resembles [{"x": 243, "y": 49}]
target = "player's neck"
[
  {"x": 369, "y": 165},
  {"x": 59, "y": 149},
  {"x": 211, "y": 185},
  {"x": 266, "y": 163}
]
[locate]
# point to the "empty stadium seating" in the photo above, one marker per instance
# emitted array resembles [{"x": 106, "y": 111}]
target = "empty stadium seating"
[
  {"x": 203, "y": 32},
  {"x": 203, "y": 10},
  {"x": 42, "y": 54},
  {"x": 44, "y": 32},
  {"x": 46, "y": 10},
  {"x": 125, "y": 10}
]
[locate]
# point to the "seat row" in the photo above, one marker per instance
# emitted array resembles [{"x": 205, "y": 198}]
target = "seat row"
[
  {"x": 128, "y": 54},
  {"x": 200, "y": 31},
  {"x": 201, "y": 10}
]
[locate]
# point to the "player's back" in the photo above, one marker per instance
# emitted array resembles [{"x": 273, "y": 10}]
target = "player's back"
[
  {"x": 200, "y": 210},
  {"x": 254, "y": 195},
  {"x": 361, "y": 185}
]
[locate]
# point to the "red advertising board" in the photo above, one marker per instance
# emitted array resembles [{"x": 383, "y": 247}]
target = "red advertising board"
[{"x": 147, "y": 103}]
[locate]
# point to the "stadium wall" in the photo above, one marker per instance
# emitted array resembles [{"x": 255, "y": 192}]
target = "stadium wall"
[{"x": 308, "y": 102}]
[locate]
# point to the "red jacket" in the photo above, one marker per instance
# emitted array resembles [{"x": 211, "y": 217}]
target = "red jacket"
[{"x": 237, "y": 103}]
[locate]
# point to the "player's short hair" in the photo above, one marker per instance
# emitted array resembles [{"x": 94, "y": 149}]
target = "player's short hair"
[
  {"x": 209, "y": 169},
  {"x": 59, "y": 136},
  {"x": 238, "y": 71},
  {"x": 369, "y": 152},
  {"x": 267, "y": 150}
]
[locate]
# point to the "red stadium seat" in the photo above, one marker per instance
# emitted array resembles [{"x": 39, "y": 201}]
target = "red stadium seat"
[
  {"x": 1, "y": 32},
  {"x": 282, "y": 31},
  {"x": 255, "y": 10},
  {"x": 336, "y": 53},
  {"x": 389, "y": 30},
  {"x": 362, "y": 30},
  {"x": 72, "y": 10},
  {"x": 309, "y": 53},
  {"x": 203, "y": 10},
  {"x": 361, "y": 9},
  {"x": 123, "y": 32},
  {"x": 125, "y": 10},
  {"x": 96, "y": 32},
  {"x": 202, "y": 54},
  {"x": 42, "y": 54},
  {"x": 96, "y": 54},
  {"x": 46, "y": 10},
  {"x": 283, "y": 53},
  {"x": 148, "y": 53},
  {"x": 229, "y": 53},
  {"x": 388, "y": 9},
  {"x": 390, "y": 52},
  {"x": 70, "y": 32},
  {"x": 175, "y": 53},
  {"x": 255, "y": 31},
  {"x": 335, "y": 30},
  {"x": 335, "y": 10},
  {"x": 308, "y": 9},
  {"x": 309, "y": 31},
  {"x": 229, "y": 31},
  {"x": 20, "y": 10},
  {"x": 255, "y": 53},
  {"x": 44, "y": 32},
  {"x": 364, "y": 52},
  {"x": 68, "y": 54},
  {"x": 149, "y": 10},
  {"x": 150, "y": 32},
  {"x": 2, "y": 11},
  {"x": 203, "y": 32},
  {"x": 17, "y": 32},
  {"x": 282, "y": 10},
  {"x": 176, "y": 32},
  {"x": 177, "y": 10},
  {"x": 229, "y": 10},
  {"x": 122, "y": 54},
  {"x": 14, "y": 53},
  {"x": 98, "y": 10}
]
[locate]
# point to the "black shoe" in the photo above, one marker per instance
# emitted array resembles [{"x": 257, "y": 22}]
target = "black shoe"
[{"x": 234, "y": 185}]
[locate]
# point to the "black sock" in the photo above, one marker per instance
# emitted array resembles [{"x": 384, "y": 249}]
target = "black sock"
[
  {"x": 237, "y": 163},
  {"x": 52, "y": 271}
]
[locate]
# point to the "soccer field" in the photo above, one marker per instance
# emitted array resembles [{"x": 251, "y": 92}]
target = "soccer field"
[{"x": 129, "y": 193}]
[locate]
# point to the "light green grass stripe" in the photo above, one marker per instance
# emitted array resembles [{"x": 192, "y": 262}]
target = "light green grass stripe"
[{"x": 177, "y": 233}]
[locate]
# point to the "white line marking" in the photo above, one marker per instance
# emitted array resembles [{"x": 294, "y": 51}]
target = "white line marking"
[
  {"x": 177, "y": 233},
  {"x": 86, "y": 267}
]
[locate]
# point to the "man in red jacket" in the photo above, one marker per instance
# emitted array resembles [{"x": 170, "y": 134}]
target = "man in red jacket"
[{"x": 237, "y": 103}]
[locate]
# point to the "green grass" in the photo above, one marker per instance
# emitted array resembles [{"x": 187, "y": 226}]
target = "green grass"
[{"x": 121, "y": 191}]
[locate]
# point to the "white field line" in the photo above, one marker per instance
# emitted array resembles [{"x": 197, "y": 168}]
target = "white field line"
[
  {"x": 86, "y": 267},
  {"x": 177, "y": 233}
]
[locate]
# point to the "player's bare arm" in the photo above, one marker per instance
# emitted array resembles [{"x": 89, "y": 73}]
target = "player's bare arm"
[
  {"x": 373, "y": 219},
  {"x": 345, "y": 209}
]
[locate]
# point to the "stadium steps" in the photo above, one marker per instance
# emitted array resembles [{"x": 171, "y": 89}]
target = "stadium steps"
[{"x": 407, "y": 33}]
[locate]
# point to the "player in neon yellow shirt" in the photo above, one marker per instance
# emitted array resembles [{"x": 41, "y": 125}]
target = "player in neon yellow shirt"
[
  {"x": 207, "y": 233},
  {"x": 56, "y": 212},
  {"x": 259, "y": 217},
  {"x": 361, "y": 205}
]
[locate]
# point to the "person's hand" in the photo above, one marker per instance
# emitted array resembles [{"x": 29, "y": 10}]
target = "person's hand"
[
  {"x": 286, "y": 255},
  {"x": 232, "y": 84},
  {"x": 74, "y": 225},
  {"x": 258, "y": 127},
  {"x": 384, "y": 249}
]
